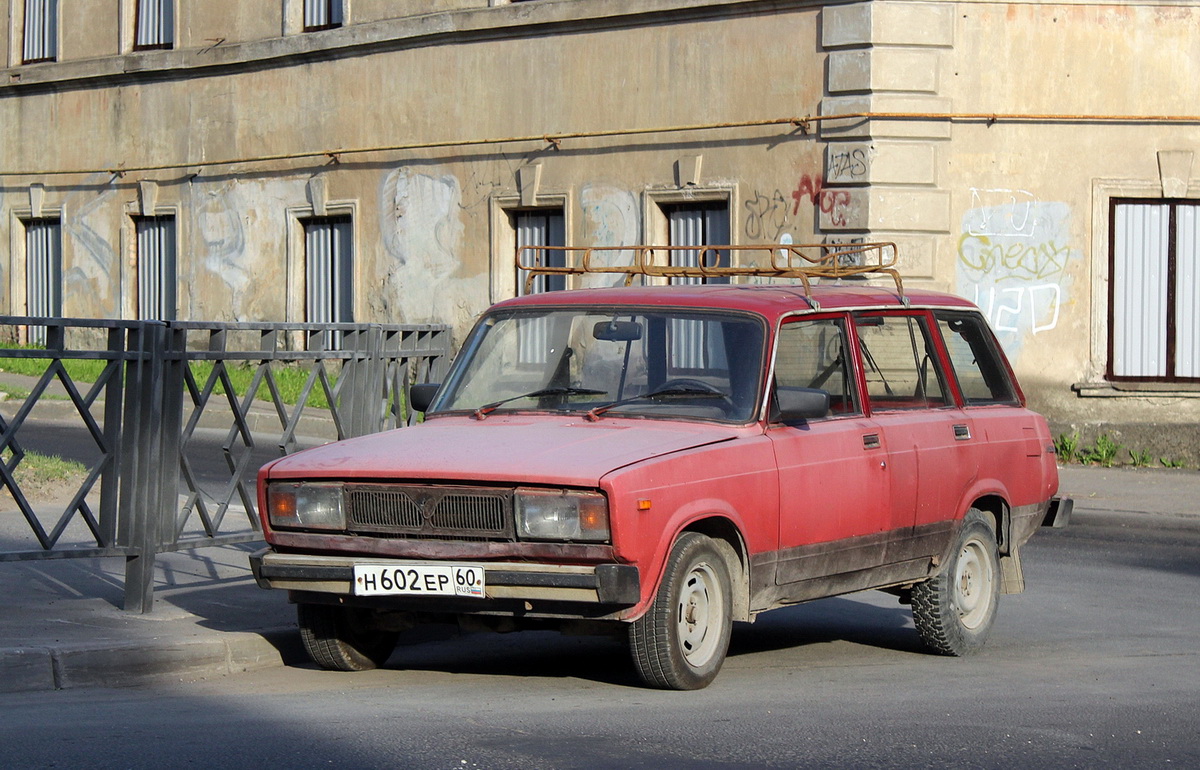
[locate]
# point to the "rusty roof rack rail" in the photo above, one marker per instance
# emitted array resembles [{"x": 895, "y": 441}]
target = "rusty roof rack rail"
[{"x": 771, "y": 260}]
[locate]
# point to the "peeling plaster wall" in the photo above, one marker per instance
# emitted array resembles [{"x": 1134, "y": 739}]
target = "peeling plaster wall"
[{"x": 1011, "y": 214}]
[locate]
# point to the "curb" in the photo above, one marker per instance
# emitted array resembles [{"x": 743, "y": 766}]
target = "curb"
[{"x": 125, "y": 665}]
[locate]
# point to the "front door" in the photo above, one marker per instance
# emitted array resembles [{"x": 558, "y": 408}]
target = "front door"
[{"x": 834, "y": 506}]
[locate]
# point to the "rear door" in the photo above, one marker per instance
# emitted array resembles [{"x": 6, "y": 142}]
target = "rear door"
[{"x": 929, "y": 437}]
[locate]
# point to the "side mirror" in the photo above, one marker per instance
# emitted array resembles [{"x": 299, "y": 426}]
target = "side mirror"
[
  {"x": 795, "y": 404},
  {"x": 421, "y": 396}
]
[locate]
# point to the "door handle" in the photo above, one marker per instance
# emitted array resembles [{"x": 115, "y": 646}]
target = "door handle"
[
  {"x": 962, "y": 433},
  {"x": 871, "y": 441}
]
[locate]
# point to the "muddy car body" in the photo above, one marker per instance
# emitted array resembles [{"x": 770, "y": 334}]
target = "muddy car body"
[{"x": 664, "y": 460}]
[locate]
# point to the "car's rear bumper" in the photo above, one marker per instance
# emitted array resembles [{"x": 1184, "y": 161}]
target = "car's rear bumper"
[
  {"x": 1059, "y": 513},
  {"x": 615, "y": 585}
]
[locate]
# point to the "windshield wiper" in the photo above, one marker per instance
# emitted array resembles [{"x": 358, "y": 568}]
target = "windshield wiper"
[
  {"x": 674, "y": 390},
  {"x": 487, "y": 409}
]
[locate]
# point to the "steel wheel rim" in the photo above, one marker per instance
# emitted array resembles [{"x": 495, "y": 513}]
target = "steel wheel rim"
[
  {"x": 973, "y": 582},
  {"x": 699, "y": 615}
]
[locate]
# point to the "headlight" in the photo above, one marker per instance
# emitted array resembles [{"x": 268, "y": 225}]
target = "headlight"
[
  {"x": 562, "y": 515},
  {"x": 314, "y": 505}
]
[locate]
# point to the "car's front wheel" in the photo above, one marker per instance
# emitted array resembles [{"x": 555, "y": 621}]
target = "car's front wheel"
[
  {"x": 681, "y": 641},
  {"x": 343, "y": 638},
  {"x": 954, "y": 610}
]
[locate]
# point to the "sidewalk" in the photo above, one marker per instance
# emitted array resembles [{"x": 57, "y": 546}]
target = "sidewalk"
[{"x": 61, "y": 625}]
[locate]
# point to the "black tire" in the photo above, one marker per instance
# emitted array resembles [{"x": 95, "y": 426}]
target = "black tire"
[
  {"x": 681, "y": 641},
  {"x": 343, "y": 638},
  {"x": 954, "y": 610}
]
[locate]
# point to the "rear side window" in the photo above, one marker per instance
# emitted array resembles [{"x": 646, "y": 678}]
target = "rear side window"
[
  {"x": 899, "y": 363},
  {"x": 982, "y": 375}
]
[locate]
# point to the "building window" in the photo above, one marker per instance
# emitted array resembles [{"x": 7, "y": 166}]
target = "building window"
[
  {"x": 541, "y": 227},
  {"x": 538, "y": 227},
  {"x": 695, "y": 224},
  {"x": 1154, "y": 291},
  {"x": 323, "y": 14},
  {"x": 41, "y": 31},
  {"x": 155, "y": 24},
  {"x": 329, "y": 272},
  {"x": 43, "y": 273},
  {"x": 703, "y": 224},
  {"x": 156, "y": 268}
]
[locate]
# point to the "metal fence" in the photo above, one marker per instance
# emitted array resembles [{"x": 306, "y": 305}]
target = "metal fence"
[{"x": 178, "y": 418}]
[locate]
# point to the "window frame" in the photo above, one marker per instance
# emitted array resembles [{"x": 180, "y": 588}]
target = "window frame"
[
  {"x": 171, "y": 307},
  {"x": 334, "y": 9},
  {"x": 167, "y": 29},
  {"x": 1170, "y": 362},
  {"x": 1003, "y": 370},
  {"x": 934, "y": 350},
  {"x": 505, "y": 281},
  {"x": 656, "y": 225},
  {"x": 50, "y": 39},
  {"x": 850, "y": 365},
  {"x": 37, "y": 334}
]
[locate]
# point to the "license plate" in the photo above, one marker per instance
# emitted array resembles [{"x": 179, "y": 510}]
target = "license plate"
[{"x": 418, "y": 580}]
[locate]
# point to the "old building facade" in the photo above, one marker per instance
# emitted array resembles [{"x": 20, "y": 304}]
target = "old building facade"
[{"x": 369, "y": 160}]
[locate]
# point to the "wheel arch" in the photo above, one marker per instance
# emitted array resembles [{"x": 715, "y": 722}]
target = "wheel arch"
[
  {"x": 997, "y": 508},
  {"x": 732, "y": 545}
]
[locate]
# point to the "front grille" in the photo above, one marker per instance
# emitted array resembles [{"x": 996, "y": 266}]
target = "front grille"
[{"x": 430, "y": 512}]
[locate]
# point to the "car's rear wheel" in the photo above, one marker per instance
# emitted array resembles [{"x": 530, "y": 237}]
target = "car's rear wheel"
[
  {"x": 954, "y": 610},
  {"x": 343, "y": 638},
  {"x": 680, "y": 643}
]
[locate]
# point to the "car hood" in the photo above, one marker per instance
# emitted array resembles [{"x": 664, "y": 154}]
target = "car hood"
[{"x": 537, "y": 449}]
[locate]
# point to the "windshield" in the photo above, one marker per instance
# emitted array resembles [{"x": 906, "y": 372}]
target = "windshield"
[{"x": 671, "y": 363}]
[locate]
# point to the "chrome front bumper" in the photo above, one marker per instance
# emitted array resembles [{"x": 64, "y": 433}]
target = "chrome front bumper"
[{"x": 607, "y": 584}]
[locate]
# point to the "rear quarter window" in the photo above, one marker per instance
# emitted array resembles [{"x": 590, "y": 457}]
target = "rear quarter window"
[{"x": 982, "y": 376}]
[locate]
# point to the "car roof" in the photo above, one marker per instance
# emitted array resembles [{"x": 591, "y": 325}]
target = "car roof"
[{"x": 767, "y": 300}]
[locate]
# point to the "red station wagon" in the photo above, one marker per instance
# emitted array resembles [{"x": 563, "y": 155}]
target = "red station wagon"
[{"x": 664, "y": 460}]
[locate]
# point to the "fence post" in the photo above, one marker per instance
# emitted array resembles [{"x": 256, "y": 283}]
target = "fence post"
[
  {"x": 362, "y": 391},
  {"x": 110, "y": 478},
  {"x": 141, "y": 518}
]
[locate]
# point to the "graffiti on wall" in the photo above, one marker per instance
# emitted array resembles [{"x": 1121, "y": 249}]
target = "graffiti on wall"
[
  {"x": 1013, "y": 254},
  {"x": 766, "y": 216},
  {"x": 848, "y": 164},
  {"x": 219, "y": 230},
  {"x": 770, "y": 214},
  {"x": 93, "y": 264},
  {"x": 234, "y": 275},
  {"x": 421, "y": 229},
  {"x": 610, "y": 219}
]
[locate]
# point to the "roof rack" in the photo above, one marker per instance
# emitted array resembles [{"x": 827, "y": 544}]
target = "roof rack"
[{"x": 771, "y": 260}]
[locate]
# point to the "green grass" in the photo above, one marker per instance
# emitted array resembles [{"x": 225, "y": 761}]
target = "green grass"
[
  {"x": 288, "y": 379},
  {"x": 37, "y": 471},
  {"x": 40, "y": 467},
  {"x": 80, "y": 370}
]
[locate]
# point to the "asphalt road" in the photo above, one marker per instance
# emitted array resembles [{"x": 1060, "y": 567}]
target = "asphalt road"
[{"x": 1095, "y": 665}]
